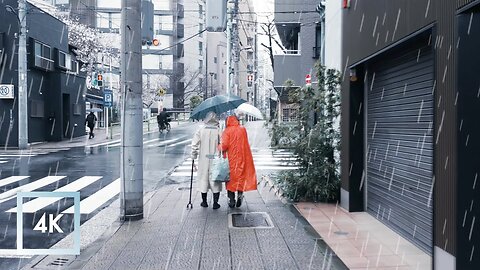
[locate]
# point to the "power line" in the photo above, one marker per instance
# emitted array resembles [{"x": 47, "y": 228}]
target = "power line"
[{"x": 180, "y": 42}]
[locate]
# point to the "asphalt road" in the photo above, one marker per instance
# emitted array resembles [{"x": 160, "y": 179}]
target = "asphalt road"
[{"x": 90, "y": 170}]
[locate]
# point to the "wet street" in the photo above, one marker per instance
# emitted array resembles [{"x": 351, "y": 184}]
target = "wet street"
[{"x": 92, "y": 170}]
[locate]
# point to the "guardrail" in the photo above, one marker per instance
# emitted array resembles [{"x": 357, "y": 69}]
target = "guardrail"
[{"x": 149, "y": 125}]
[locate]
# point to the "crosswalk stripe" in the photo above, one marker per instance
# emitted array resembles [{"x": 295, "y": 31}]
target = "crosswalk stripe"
[
  {"x": 98, "y": 198},
  {"x": 3, "y": 161},
  {"x": 39, "y": 203},
  {"x": 162, "y": 143},
  {"x": 17, "y": 155},
  {"x": 29, "y": 187},
  {"x": 179, "y": 143},
  {"x": 11, "y": 179}
]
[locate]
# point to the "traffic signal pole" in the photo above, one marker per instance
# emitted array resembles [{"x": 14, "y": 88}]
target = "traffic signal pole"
[
  {"x": 22, "y": 77},
  {"x": 131, "y": 155}
]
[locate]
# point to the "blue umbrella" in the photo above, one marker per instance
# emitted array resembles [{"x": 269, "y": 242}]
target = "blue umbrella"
[{"x": 217, "y": 104}]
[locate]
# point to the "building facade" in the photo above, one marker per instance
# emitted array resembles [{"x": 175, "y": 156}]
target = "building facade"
[
  {"x": 409, "y": 134},
  {"x": 56, "y": 89},
  {"x": 300, "y": 35},
  {"x": 216, "y": 64}
]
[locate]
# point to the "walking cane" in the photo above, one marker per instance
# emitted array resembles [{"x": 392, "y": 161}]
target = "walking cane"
[{"x": 190, "y": 205}]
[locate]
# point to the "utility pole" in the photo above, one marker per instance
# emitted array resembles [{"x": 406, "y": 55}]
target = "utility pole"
[
  {"x": 131, "y": 155},
  {"x": 229, "y": 50},
  {"x": 255, "y": 66},
  {"x": 22, "y": 77},
  {"x": 236, "y": 48}
]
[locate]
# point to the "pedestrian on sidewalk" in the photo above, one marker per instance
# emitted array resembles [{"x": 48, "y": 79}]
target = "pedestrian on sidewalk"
[
  {"x": 242, "y": 170},
  {"x": 204, "y": 144},
  {"x": 90, "y": 122}
]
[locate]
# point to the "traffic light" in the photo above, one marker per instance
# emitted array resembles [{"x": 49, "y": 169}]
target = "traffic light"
[
  {"x": 148, "y": 42},
  {"x": 99, "y": 80},
  {"x": 250, "y": 80}
]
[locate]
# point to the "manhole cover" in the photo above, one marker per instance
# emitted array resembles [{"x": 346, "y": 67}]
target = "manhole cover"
[
  {"x": 252, "y": 220},
  {"x": 341, "y": 233}
]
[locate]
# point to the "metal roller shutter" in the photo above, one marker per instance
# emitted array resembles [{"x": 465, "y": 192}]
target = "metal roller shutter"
[{"x": 399, "y": 156}]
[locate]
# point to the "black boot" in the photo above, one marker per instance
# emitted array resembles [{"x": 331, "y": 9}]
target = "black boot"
[
  {"x": 204, "y": 200},
  {"x": 231, "y": 196},
  {"x": 239, "y": 198},
  {"x": 216, "y": 196}
]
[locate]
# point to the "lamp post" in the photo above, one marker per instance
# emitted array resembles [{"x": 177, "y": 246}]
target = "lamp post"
[
  {"x": 22, "y": 73},
  {"x": 211, "y": 83}
]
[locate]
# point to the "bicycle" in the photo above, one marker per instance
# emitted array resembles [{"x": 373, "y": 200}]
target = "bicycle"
[{"x": 166, "y": 127}]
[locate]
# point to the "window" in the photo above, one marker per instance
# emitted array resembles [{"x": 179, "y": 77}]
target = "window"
[
  {"x": 200, "y": 48},
  {"x": 215, "y": 59},
  {"x": 289, "y": 115},
  {"x": 64, "y": 61},
  {"x": 36, "y": 108},
  {"x": 250, "y": 68},
  {"x": 250, "y": 41},
  {"x": 200, "y": 29},
  {"x": 222, "y": 70},
  {"x": 250, "y": 55},
  {"x": 43, "y": 56},
  {"x": 214, "y": 76},
  {"x": 200, "y": 64},
  {"x": 74, "y": 66},
  {"x": 200, "y": 82}
]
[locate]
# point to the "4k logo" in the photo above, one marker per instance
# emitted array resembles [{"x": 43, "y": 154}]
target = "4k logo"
[{"x": 52, "y": 224}]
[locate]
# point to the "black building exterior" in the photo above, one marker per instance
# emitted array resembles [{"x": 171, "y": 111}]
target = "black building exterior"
[
  {"x": 56, "y": 91},
  {"x": 410, "y": 130}
]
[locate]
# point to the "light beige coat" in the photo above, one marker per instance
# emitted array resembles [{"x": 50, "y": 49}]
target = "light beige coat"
[{"x": 204, "y": 145}]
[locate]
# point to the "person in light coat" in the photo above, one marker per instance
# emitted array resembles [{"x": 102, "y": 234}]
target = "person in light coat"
[{"x": 204, "y": 147}]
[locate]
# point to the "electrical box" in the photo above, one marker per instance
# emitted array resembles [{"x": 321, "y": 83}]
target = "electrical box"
[{"x": 216, "y": 15}]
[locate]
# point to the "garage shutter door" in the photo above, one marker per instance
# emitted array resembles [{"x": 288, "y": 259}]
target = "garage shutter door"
[{"x": 399, "y": 156}]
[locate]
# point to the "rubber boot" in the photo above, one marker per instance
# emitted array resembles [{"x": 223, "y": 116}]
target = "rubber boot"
[
  {"x": 216, "y": 196},
  {"x": 239, "y": 198},
  {"x": 204, "y": 200},
  {"x": 231, "y": 196}
]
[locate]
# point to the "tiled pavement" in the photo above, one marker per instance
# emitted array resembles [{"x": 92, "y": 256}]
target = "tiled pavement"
[
  {"x": 171, "y": 237},
  {"x": 361, "y": 241}
]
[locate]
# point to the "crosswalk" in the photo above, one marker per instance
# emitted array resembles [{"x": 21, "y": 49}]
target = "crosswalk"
[
  {"x": 25, "y": 184},
  {"x": 8, "y": 156},
  {"x": 148, "y": 143},
  {"x": 264, "y": 160}
]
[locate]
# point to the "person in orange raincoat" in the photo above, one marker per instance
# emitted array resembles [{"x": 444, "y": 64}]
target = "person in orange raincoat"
[{"x": 242, "y": 170}]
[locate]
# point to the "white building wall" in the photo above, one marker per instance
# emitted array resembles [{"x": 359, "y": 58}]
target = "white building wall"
[{"x": 333, "y": 34}]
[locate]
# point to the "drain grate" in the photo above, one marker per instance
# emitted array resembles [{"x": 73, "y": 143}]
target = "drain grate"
[
  {"x": 250, "y": 220},
  {"x": 183, "y": 188},
  {"x": 340, "y": 233},
  {"x": 54, "y": 262}
]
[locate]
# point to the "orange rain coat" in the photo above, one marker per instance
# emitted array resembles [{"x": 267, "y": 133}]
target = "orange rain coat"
[{"x": 242, "y": 170}]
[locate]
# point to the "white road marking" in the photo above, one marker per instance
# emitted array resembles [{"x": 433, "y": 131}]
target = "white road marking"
[
  {"x": 39, "y": 203},
  {"x": 97, "y": 199},
  {"x": 29, "y": 187},
  {"x": 179, "y": 143},
  {"x": 17, "y": 155},
  {"x": 3, "y": 161},
  {"x": 11, "y": 179}
]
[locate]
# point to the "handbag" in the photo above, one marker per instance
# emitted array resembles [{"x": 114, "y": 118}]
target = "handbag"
[{"x": 220, "y": 169}]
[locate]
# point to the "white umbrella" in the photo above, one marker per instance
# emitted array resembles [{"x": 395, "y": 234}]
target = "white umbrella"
[{"x": 250, "y": 110}]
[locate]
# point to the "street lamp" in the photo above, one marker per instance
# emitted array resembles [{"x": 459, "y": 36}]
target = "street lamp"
[
  {"x": 211, "y": 83},
  {"x": 22, "y": 74}
]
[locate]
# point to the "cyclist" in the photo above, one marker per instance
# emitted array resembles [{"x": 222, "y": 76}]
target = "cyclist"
[{"x": 162, "y": 119}]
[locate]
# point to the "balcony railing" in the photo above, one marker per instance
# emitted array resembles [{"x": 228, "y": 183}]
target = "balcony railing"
[
  {"x": 292, "y": 52},
  {"x": 44, "y": 63}
]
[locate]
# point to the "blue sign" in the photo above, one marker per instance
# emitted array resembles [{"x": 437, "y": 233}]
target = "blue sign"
[{"x": 107, "y": 98}]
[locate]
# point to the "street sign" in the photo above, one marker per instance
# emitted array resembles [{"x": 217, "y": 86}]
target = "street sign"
[
  {"x": 88, "y": 81},
  {"x": 308, "y": 80},
  {"x": 107, "y": 98},
  {"x": 6, "y": 91}
]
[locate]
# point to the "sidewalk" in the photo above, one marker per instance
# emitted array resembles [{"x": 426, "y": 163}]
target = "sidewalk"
[{"x": 264, "y": 233}]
